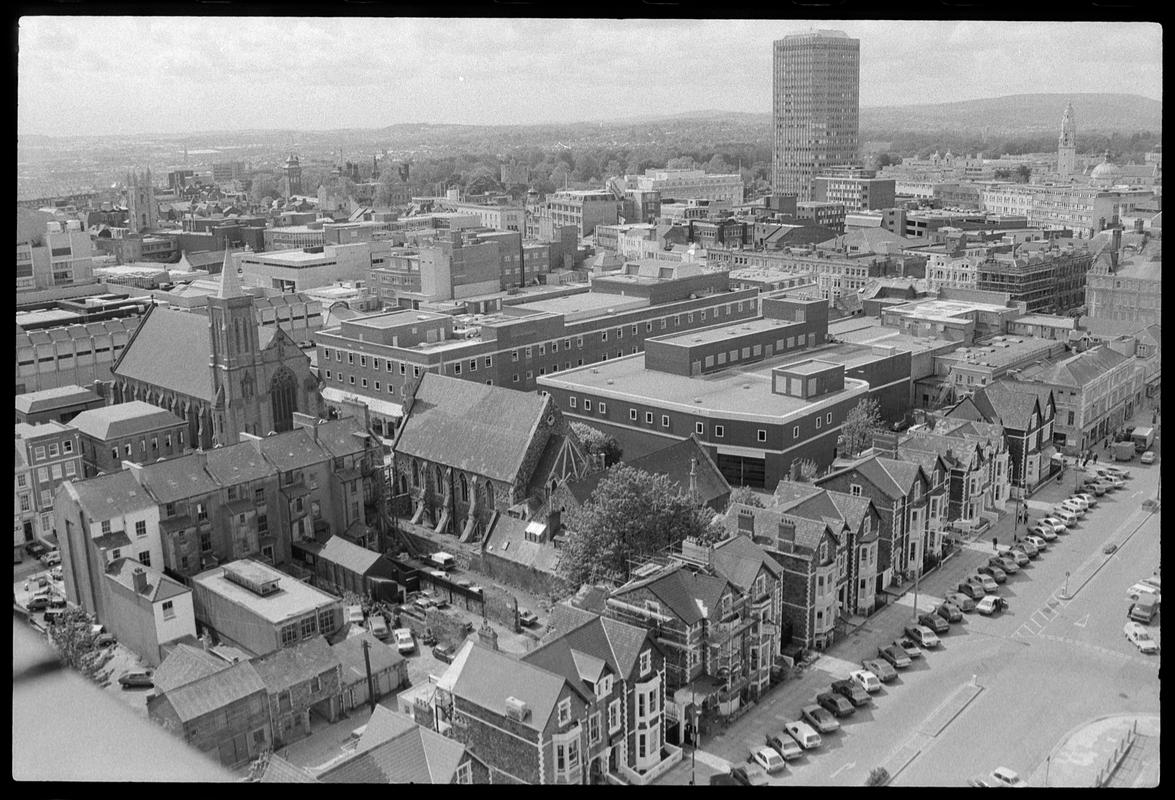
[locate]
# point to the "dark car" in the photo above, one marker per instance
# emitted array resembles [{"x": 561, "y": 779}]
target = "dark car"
[
  {"x": 838, "y": 705},
  {"x": 935, "y": 622},
  {"x": 973, "y": 590},
  {"x": 949, "y": 611},
  {"x": 852, "y": 690},
  {"x": 996, "y": 573},
  {"x": 724, "y": 779},
  {"x": 895, "y": 655},
  {"x": 36, "y": 549},
  {"x": 38, "y": 603},
  {"x": 52, "y": 615},
  {"x": 105, "y": 640},
  {"x": 527, "y": 618},
  {"x": 1004, "y": 562},
  {"x": 961, "y": 601},
  {"x": 881, "y": 668},
  {"x": 138, "y": 678},
  {"x": 820, "y": 718},
  {"x": 749, "y": 775},
  {"x": 444, "y": 652}
]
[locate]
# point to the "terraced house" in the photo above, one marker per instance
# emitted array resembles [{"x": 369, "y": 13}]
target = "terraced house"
[{"x": 973, "y": 458}]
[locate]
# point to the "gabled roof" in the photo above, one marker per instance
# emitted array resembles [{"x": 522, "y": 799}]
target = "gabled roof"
[
  {"x": 350, "y": 655},
  {"x": 159, "y": 586},
  {"x": 394, "y": 749},
  {"x": 1009, "y": 403},
  {"x": 674, "y": 462},
  {"x": 124, "y": 419},
  {"x": 487, "y": 677},
  {"x": 690, "y": 596},
  {"x": 109, "y": 496},
  {"x": 57, "y": 397},
  {"x": 790, "y": 493},
  {"x": 479, "y": 429},
  {"x": 348, "y": 555},
  {"x": 1079, "y": 370},
  {"x": 278, "y": 770},
  {"x": 586, "y": 641},
  {"x": 215, "y": 692},
  {"x": 343, "y": 437},
  {"x": 185, "y": 664},
  {"x": 903, "y": 472},
  {"x": 178, "y": 478},
  {"x": 852, "y": 509},
  {"x": 877, "y": 475},
  {"x": 289, "y": 666},
  {"x": 292, "y": 450},
  {"x": 562, "y": 457},
  {"x": 739, "y": 560},
  {"x": 238, "y": 463},
  {"x": 185, "y": 369}
]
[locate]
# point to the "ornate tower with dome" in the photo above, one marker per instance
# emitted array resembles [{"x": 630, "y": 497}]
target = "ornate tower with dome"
[{"x": 1067, "y": 144}]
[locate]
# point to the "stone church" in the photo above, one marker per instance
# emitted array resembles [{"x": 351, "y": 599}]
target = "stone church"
[{"x": 222, "y": 373}]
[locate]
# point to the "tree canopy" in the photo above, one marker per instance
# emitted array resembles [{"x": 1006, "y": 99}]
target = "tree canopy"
[
  {"x": 631, "y": 514},
  {"x": 745, "y": 495},
  {"x": 595, "y": 441},
  {"x": 856, "y": 432}
]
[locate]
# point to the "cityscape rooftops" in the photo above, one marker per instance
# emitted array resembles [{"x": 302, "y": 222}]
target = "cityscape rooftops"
[
  {"x": 24, "y": 430},
  {"x": 110, "y": 496},
  {"x": 1000, "y": 352},
  {"x": 292, "y": 598},
  {"x": 124, "y": 419},
  {"x": 57, "y": 397},
  {"x": 586, "y": 305}
]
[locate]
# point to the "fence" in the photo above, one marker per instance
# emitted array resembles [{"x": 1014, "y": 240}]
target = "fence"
[{"x": 1112, "y": 763}]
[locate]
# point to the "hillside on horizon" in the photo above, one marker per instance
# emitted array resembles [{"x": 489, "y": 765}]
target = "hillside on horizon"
[{"x": 1022, "y": 113}]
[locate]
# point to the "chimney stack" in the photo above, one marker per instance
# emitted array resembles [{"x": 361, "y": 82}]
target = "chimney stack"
[
  {"x": 488, "y": 636},
  {"x": 140, "y": 579}
]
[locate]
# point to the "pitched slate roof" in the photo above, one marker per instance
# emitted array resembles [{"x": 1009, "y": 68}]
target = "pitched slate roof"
[
  {"x": 278, "y": 770},
  {"x": 238, "y": 463},
  {"x": 343, "y": 437},
  {"x": 159, "y": 586},
  {"x": 508, "y": 540},
  {"x": 350, "y": 655},
  {"x": 739, "y": 560},
  {"x": 480, "y": 429},
  {"x": 185, "y": 664},
  {"x": 1081, "y": 369},
  {"x": 1010, "y": 403},
  {"x": 58, "y": 397},
  {"x": 214, "y": 692},
  {"x": 674, "y": 462},
  {"x": 586, "y": 635},
  {"x": 852, "y": 510},
  {"x": 178, "y": 478},
  {"x": 690, "y": 596},
  {"x": 348, "y": 555},
  {"x": 184, "y": 367},
  {"x": 394, "y": 749},
  {"x": 124, "y": 419},
  {"x": 789, "y": 493},
  {"x": 903, "y": 472},
  {"x": 876, "y": 474},
  {"x": 289, "y": 666},
  {"x": 487, "y": 677},
  {"x": 109, "y": 496},
  {"x": 292, "y": 450},
  {"x": 562, "y": 457}
]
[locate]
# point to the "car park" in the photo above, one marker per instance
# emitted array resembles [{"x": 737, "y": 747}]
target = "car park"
[
  {"x": 820, "y": 718},
  {"x": 881, "y": 668},
  {"x": 1148, "y": 457},
  {"x": 987, "y": 582},
  {"x": 1002, "y": 776},
  {"x": 963, "y": 602},
  {"x": 949, "y": 611},
  {"x": 527, "y": 618},
  {"x": 971, "y": 589},
  {"x": 997, "y": 574},
  {"x": 749, "y": 775},
  {"x": 894, "y": 655},
  {"x": 803, "y": 734},
  {"x": 1027, "y": 548},
  {"x": 855, "y": 692},
  {"x": 1038, "y": 542},
  {"x": 933, "y": 621},
  {"x": 786, "y": 746},
  {"x": 909, "y": 646},
  {"x": 923, "y": 636},
  {"x": 1020, "y": 557},
  {"x": 1090, "y": 500},
  {"x": 1045, "y": 529},
  {"x": 137, "y": 678},
  {"x": 1140, "y": 637},
  {"x": 835, "y": 704},
  {"x": 404, "y": 641},
  {"x": 767, "y": 758},
  {"x": 1004, "y": 562},
  {"x": 866, "y": 680},
  {"x": 990, "y": 605}
]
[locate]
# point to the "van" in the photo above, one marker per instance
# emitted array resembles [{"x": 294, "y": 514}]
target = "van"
[
  {"x": 803, "y": 734},
  {"x": 1065, "y": 515},
  {"x": 443, "y": 560},
  {"x": 1143, "y": 610}
]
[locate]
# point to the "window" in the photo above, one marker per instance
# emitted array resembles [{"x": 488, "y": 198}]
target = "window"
[
  {"x": 594, "y": 728},
  {"x": 21, "y": 480},
  {"x": 67, "y": 447},
  {"x": 350, "y": 358},
  {"x": 603, "y": 407},
  {"x": 201, "y": 512},
  {"x": 289, "y": 637},
  {"x": 515, "y": 377},
  {"x": 145, "y": 558},
  {"x": 70, "y": 469},
  {"x": 473, "y": 365},
  {"x": 762, "y": 435},
  {"x": 140, "y": 528},
  {"x": 205, "y": 541},
  {"x": 632, "y": 414},
  {"x": 376, "y": 385},
  {"x": 855, "y": 490},
  {"x": 457, "y": 368},
  {"x": 700, "y": 428},
  {"x": 664, "y": 421},
  {"x": 489, "y": 361},
  {"x": 105, "y": 526},
  {"x": 363, "y": 361},
  {"x": 308, "y": 626},
  {"x": 587, "y": 404},
  {"x": 39, "y": 452},
  {"x": 795, "y": 432},
  {"x": 328, "y": 374},
  {"x": 719, "y": 430},
  {"x": 571, "y": 401},
  {"x": 817, "y": 423},
  {"x": 828, "y": 418},
  {"x": 604, "y": 336},
  {"x": 565, "y": 711},
  {"x": 614, "y": 718},
  {"x": 127, "y": 450},
  {"x": 168, "y": 609},
  {"x": 646, "y": 662},
  {"x": 465, "y": 773},
  {"x": 53, "y": 450}
]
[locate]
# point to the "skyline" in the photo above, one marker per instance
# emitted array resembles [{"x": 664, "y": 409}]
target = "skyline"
[{"x": 257, "y": 73}]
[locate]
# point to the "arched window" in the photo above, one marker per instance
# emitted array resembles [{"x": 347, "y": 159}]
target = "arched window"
[
  {"x": 464, "y": 489},
  {"x": 283, "y": 396},
  {"x": 489, "y": 495},
  {"x": 439, "y": 478}
]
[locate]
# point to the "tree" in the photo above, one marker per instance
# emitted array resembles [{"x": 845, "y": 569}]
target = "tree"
[
  {"x": 681, "y": 162},
  {"x": 803, "y": 470},
  {"x": 630, "y": 514},
  {"x": 746, "y": 496},
  {"x": 856, "y": 432},
  {"x": 878, "y": 776},
  {"x": 595, "y": 441},
  {"x": 73, "y": 636},
  {"x": 1023, "y": 173}
]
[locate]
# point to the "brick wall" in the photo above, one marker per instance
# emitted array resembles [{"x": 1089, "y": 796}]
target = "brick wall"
[{"x": 505, "y": 745}]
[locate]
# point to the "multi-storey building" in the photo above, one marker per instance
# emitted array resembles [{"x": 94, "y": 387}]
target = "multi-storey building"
[
  {"x": 1127, "y": 286},
  {"x": 53, "y": 454},
  {"x": 228, "y": 171},
  {"x": 816, "y": 108},
  {"x": 688, "y": 184},
  {"x": 55, "y": 405},
  {"x": 855, "y": 194},
  {"x": 310, "y": 266},
  {"x": 1046, "y": 278},
  {"x": 1086, "y": 210},
  {"x": 65, "y": 258},
  {"x": 134, "y": 431},
  {"x": 286, "y": 237},
  {"x": 974, "y": 461},
  {"x": 583, "y": 208}
]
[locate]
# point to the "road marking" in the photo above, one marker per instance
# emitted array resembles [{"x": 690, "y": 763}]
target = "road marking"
[
  {"x": 1082, "y": 622},
  {"x": 1136, "y": 494},
  {"x": 842, "y": 768},
  {"x": 1098, "y": 648}
]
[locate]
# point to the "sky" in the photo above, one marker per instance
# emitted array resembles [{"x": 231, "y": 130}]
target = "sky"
[{"x": 135, "y": 75}]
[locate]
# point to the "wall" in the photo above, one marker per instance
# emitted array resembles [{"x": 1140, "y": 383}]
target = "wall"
[
  {"x": 500, "y": 742},
  {"x": 231, "y": 621}
]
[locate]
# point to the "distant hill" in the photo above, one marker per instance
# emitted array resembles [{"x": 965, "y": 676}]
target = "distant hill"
[{"x": 1022, "y": 114}]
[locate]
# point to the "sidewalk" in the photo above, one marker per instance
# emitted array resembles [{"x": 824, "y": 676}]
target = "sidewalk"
[{"x": 1085, "y": 751}]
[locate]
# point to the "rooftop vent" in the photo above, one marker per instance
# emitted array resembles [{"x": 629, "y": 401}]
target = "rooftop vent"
[
  {"x": 516, "y": 709},
  {"x": 255, "y": 583}
]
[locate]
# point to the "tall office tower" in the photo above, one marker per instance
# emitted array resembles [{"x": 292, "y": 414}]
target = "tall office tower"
[
  {"x": 816, "y": 108},
  {"x": 1067, "y": 144}
]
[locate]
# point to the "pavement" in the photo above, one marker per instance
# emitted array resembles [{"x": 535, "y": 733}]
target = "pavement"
[{"x": 1084, "y": 754}]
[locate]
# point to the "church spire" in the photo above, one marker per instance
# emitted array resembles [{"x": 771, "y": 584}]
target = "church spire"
[{"x": 230, "y": 284}]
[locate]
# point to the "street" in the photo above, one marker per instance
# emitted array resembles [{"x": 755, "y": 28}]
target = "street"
[{"x": 1001, "y": 690}]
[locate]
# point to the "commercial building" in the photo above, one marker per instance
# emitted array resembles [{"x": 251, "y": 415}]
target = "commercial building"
[
  {"x": 584, "y": 209},
  {"x": 308, "y": 267},
  {"x": 1084, "y": 209},
  {"x": 816, "y": 108},
  {"x": 64, "y": 258},
  {"x": 855, "y": 194},
  {"x": 758, "y": 394},
  {"x": 1048, "y": 278},
  {"x": 53, "y": 454},
  {"x": 1127, "y": 285},
  {"x": 60, "y": 404},
  {"x": 228, "y": 171},
  {"x": 688, "y": 184}
]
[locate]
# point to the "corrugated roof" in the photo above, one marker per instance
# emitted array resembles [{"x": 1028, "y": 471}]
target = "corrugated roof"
[{"x": 479, "y": 429}]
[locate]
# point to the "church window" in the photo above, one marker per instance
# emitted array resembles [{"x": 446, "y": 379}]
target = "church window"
[{"x": 283, "y": 394}]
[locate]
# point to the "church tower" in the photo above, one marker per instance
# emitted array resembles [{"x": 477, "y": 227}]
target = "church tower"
[
  {"x": 291, "y": 177},
  {"x": 140, "y": 202},
  {"x": 235, "y": 350},
  {"x": 1067, "y": 144}
]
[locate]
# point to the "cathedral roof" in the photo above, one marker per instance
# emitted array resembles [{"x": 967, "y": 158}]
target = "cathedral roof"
[{"x": 170, "y": 350}]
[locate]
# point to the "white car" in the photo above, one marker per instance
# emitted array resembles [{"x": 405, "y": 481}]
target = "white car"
[
  {"x": 354, "y": 614},
  {"x": 866, "y": 680},
  {"x": 803, "y": 733},
  {"x": 1090, "y": 500},
  {"x": 1073, "y": 505},
  {"x": 1140, "y": 637},
  {"x": 1038, "y": 542},
  {"x": 768, "y": 758},
  {"x": 404, "y": 641},
  {"x": 1046, "y": 529},
  {"x": 1148, "y": 457},
  {"x": 1002, "y": 776},
  {"x": 1141, "y": 588},
  {"x": 1065, "y": 515},
  {"x": 990, "y": 604},
  {"x": 1153, "y": 580},
  {"x": 1056, "y": 523},
  {"x": 925, "y": 637}
]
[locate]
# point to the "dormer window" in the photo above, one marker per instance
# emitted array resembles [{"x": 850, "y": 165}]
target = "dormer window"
[
  {"x": 646, "y": 659},
  {"x": 565, "y": 711}
]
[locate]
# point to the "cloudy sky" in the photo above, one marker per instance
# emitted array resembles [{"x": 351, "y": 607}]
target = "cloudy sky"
[{"x": 129, "y": 75}]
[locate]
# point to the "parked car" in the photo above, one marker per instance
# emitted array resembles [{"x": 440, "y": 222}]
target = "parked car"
[
  {"x": 835, "y": 703},
  {"x": 1114, "y": 471},
  {"x": 51, "y": 558},
  {"x": 909, "y": 646},
  {"x": 1067, "y": 515},
  {"x": 1002, "y": 776},
  {"x": 749, "y": 775},
  {"x": 785, "y": 746},
  {"x": 1038, "y": 542},
  {"x": 1140, "y": 637},
  {"x": 894, "y": 655},
  {"x": 933, "y": 621},
  {"x": 724, "y": 779},
  {"x": 997, "y": 574},
  {"x": 1142, "y": 588},
  {"x": 38, "y": 603},
  {"x": 35, "y": 549},
  {"x": 1027, "y": 548},
  {"x": 923, "y": 636},
  {"x": 802, "y": 733},
  {"x": 987, "y": 582},
  {"x": 1078, "y": 501},
  {"x": 354, "y": 614},
  {"x": 990, "y": 605},
  {"x": 52, "y": 615},
  {"x": 854, "y": 691},
  {"x": 881, "y": 668},
  {"x": 378, "y": 626},
  {"x": 1155, "y": 580},
  {"x": 1054, "y": 523},
  {"x": 1004, "y": 562},
  {"x": 527, "y": 618},
  {"x": 1045, "y": 530},
  {"x": 963, "y": 602},
  {"x": 767, "y": 758},
  {"x": 1148, "y": 457},
  {"x": 979, "y": 781},
  {"x": 1020, "y": 557},
  {"x": 820, "y": 718},
  {"x": 1110, "y": 549},
  {"x": 56, "y": 573},
  {"x": 105, "y": 640},
  {"x": 444, "y": 653},
  {"x": 1090, "y": 500},
  {"x": 1096, "y": 487},
  {"x": 404, "y": 641},
  {"x": 866, "y": 680},
  {"x": 972, "y": 589},
  {"x": 948, "y": 611},
  {"x": 137, "y": 678},
  {"x": 1072, "y": 506}
]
